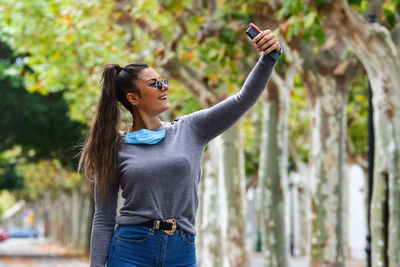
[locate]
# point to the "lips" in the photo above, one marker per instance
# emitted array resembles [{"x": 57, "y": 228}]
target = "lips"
[{"x": 163, "y": 97}]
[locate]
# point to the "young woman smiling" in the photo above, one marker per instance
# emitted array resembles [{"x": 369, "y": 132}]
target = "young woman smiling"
[{"x": 155, "y": 163}]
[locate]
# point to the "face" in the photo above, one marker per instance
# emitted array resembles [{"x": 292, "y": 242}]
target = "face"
[{"x": 151, "y": 101}]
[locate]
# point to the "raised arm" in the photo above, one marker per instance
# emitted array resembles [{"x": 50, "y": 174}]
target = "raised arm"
[
  {"x": 103, "y": 225},
  {"x": 215, "y": 120}
]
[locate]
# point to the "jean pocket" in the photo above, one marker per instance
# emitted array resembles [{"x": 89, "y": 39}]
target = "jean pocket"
[
  {"x": 188, "y": 238},
  {"x": 133, "y": 233}
]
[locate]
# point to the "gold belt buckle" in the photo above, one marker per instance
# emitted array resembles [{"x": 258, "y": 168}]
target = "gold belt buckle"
[{"x": 169, "y": 232}]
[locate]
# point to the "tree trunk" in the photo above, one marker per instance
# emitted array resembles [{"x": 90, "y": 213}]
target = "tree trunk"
[
  {"x": 84, "y": 217},
  {"x": 301, "y": 176},
  {"x": 327, "y": 237},
  {"x": 327, "y": 76},
  {"x": 386, "y": 102},
  {"x": 305, "y": 215},
  {"x": 377, "y": 51},
  {"x": 380, "y": 197},
  {"x": 213, "y": 213},
  {"x": 200, "y": 213},
  {"x": 328, "y": 118},
  {"x": 294, "y": 213},
  {"x": 273, "y": 175},
  {"x": 91, "y": 211},
  {"x": 379, "y": 219},
  {"x": 75, "y": 218},
  {"x": 232, "y": 179},
  {"x": 66, "y": 218}
]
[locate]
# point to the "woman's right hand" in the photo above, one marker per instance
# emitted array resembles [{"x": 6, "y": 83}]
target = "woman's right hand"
[{"x": 265, "y": 39}]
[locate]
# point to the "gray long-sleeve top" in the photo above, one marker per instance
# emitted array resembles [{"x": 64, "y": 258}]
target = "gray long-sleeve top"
[{"x": 161, "y": 181}]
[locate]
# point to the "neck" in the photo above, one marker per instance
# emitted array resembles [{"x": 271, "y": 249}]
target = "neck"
[{"x": 144, "y": 122}]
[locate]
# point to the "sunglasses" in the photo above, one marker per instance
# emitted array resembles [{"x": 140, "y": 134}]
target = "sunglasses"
[{"x": 159, "y": 83}]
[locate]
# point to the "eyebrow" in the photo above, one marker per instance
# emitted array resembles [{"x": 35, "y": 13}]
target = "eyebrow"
[{"x": 154, "y": 79}]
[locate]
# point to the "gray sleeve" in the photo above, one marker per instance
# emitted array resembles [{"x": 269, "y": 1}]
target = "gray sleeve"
[
  {"x": 213, "y": 121},
  {"x": 103, "y": 225}
]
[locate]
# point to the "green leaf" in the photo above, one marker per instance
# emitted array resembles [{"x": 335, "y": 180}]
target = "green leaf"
[{"x": 309, "y": 19}]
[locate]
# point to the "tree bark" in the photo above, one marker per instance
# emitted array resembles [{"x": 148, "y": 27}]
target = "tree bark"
[
  {"x": 327, "y": 77},
  {"x": 75, "y": 218},
  {"x": 304, "y": 199},
  {"x": 377, "y": 51},
  {"x": 232, "y": 179},
  {"x": 327, "y": 159},
  {"x": 379, "y": 219},
  {"x": 213, "y": 214},
  {"x": 200, "y": 213},
  {"x": 273, "y": 172}
]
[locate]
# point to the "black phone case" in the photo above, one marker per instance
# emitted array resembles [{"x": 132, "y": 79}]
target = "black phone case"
[{"x": 252, "y": 32}]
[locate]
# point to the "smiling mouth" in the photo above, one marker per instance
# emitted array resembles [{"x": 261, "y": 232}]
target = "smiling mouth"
[{"x": 163, "y": 98}]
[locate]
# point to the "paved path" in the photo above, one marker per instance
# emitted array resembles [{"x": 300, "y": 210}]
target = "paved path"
[
  {"x": 256, "y": 260},
  {"x": 21, "y": 252}
]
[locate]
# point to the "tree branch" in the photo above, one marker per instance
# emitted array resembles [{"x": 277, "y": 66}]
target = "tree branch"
[
  {"x": 125, "y": 19},
  {"x": 211, "y": 27},
  {"x": 191, "y": 80},
  {"x": 182, "y": 31},
  {"x": 375, "y": 8},
  {"x": 300, "y": 165},
  {"x": 396, "y": 36}
]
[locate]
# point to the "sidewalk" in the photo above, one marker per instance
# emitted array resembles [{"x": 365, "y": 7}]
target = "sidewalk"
[
  {"x": 44, "y": 253},
  {"x": 256, "y": 260},
  {"x": 24, "y": 252}
]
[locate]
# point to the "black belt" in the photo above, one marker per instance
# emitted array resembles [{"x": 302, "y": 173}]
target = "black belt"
[{"x": 167, "y": 226}]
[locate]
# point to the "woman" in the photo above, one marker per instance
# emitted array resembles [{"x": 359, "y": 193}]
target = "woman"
[{"x": 157, "y": 164}]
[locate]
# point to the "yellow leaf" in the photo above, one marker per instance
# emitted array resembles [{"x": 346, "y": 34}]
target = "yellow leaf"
[
  {"x": 67, "y": 20},
  {"x": 70, "y": 36},
  {"x": 231, "y": 88},
  {"x": 214, "y": 78},
  {"x": 57, "y": 55},
  {"x": 187, "y": 55}
]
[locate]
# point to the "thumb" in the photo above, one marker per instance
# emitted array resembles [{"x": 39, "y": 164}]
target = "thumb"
[{"x": 255, "y": 26}]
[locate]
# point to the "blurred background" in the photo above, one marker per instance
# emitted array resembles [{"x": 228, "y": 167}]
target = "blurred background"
[{"x": 310, "y": 176}]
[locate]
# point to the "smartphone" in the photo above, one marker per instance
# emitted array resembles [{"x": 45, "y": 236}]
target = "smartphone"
[{"x": 252, "y": 32}]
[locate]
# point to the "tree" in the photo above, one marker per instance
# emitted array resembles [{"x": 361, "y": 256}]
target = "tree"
[
  {"x": 66, "y": 43},
  {"x": 273, "y": 168},
  {"x": 378, "y": 50},
  {"x": 45, "y": 117}
]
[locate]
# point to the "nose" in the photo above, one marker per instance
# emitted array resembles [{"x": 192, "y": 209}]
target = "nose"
[{"x": 164, "y": 86}]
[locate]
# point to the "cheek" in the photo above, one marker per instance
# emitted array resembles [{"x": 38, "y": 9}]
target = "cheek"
[{"x": 149, "y": 99}]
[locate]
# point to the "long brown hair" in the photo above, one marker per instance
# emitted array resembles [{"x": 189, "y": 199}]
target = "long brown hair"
[{"x": 99, "y": 155}]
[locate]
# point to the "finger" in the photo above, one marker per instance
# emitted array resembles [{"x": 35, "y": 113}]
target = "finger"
[
  {"x": 270, "y": 49},
  {"x": 268, "y": 44},
  {"x": 278, "y": 47},
  {"x": 257, "y": 29},
  {"x": 261, "y": 35},
  {"x": 265, "y": 39},
  {"x": 255, "y": 26}
]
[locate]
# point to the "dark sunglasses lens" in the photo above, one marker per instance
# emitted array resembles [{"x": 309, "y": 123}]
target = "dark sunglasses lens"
[{"x": 159, "y": 85}]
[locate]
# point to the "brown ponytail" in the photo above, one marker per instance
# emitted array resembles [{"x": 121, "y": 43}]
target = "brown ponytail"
[{"x": 99, "y": 156}]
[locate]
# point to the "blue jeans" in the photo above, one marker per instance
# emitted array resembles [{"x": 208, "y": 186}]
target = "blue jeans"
[{"x": 141, "y": 246}]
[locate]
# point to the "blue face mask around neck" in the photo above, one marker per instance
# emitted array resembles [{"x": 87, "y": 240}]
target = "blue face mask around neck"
[{"x": 145, "y": 136}]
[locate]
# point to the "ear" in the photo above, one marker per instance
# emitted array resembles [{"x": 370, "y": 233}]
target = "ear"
[{"x": 133, "y": 98}]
